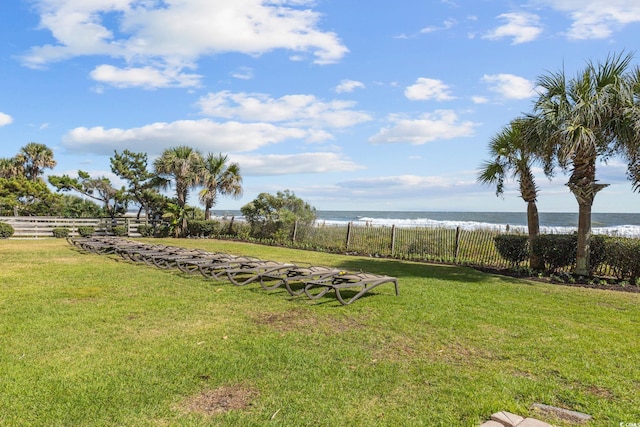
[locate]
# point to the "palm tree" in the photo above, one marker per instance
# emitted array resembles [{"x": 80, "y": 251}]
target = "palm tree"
[
  {"x": 512, "y": 152},
  {"x": 219, "y": 179},
  {"x": 35, "y": 158},
  {"x": 11, "y": 167},
  {"x": 582, "y": 120},
  {"x": 183, "y": 165}
]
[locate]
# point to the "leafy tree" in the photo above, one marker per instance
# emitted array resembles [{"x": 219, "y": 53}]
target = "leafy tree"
[
  {"x": 583, "y": 119},
  {"x": 72, "y": 206},
  {"x": 512, "y": 153},
  {"x": 114, "y": 200},
  {"x": 274, "y": 216},
  {"x": 142, "y": 184},
  {"x": 20, "y": 196},
  {"x": 35, "y": 158},
  {"x": 219, "y": 178}
]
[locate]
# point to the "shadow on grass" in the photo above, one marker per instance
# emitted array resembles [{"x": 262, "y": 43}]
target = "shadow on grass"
[{"x": 406, "y": 270}]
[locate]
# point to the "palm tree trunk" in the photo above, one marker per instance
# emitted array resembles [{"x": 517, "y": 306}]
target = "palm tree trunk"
[
  {"x": 584, "y": 237},
  {"x": 584, "y": 187},
  {"x": 533, "y": 223},
  {"x": 585, "y": 196}
]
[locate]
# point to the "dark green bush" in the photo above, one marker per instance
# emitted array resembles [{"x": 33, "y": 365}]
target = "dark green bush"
[
  {"x": 598, "y": 253},
  {"x": 145, "y": 230},
  {"x": 556, "y": 250},
  {"x": 209, "y": 227},
  {"x": 86, "y": 230},
  {"x": 6, "y": 230},
  {"x": 60, "y": 232},
  {"x": 623, "y": 255},
  {"x": 120, "y": 231},
  {"x": 162, "y": 230},
  {"x": 559, "y": 250},
  {"x": 194, "y": 228},
  {"x": 513, "y": 248}
]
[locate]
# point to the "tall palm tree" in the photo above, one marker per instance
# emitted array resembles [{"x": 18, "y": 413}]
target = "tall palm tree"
[
  {"x": 35, "y": 158},
  {"x": 582, "y": 120},
  {"x": 219, "y": 178},
  {"x": 183, "y": 165},
  {"x": 512, "y": 152}
]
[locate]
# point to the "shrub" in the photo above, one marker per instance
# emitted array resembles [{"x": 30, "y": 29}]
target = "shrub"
[
  {"x": 556, "y": 250},
  {"x": 202, "y": 228},
  {"x": 209, "y": 227},
  {"x": 512, "y": 248},
  {"x": 145, "y": 230},
  {"x": 623, "y": 255},
  {"x": 163, "y": 230},
  {"x": 597, "y": 253},
  {"x": 120, "y": 231},
  {"x": 86, "y": 230},
  {"x": 61, "y": 232},
  {"x": 194, "y": 228},
  {"x": 6, "y": 230},
  {"x": 559, "y": 250}
]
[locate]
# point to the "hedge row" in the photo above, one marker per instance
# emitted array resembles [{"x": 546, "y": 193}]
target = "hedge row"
[{"x": 558, "y": 251}]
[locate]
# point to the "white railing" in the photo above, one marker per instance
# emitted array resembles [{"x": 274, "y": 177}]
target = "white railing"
[{"x": 42, "y": 226}]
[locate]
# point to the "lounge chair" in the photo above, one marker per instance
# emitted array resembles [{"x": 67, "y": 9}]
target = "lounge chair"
[
  {"x": 272, "y": 280},
  {"x": 247, "y": 272},
  {"x": 365, "y": 282}
]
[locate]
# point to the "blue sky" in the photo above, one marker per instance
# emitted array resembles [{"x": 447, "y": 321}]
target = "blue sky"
[{"x": 352, "y": 105}]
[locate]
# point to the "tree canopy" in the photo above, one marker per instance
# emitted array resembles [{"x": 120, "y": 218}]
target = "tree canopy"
[{"x": 272, "y": 216}]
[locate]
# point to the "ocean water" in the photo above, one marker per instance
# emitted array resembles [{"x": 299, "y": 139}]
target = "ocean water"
[{"x": 615, "y": 224}]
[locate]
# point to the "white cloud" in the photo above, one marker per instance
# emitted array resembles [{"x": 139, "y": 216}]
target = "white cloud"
[
  {"x": 400, "y": 181},
  {"x": 426, "y": 88},
  {"x": 440, "y": 125},
  {"x": 294, "y": 110},
  {"x": 408, "y": 187},
  {"x": 146, "y": 77},
  {"x": 243, "y": 73},
  {"x": 173, "y": 35},
  {"x": 479, "y": 99},
  {"x": 5, "y": 119},
  {"x": 288, "y": 164},
  {"x": 205, "y": 135},
  {"x": 510, "y": 86},
  {"x": 523, "y": 27},
  {"x": 595, "y": 19},
  {"x": 447, "y": 24},
  {"x": 349, "y": 86}
]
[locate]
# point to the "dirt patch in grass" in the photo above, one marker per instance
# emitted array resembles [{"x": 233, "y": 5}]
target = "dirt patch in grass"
[
  {"x": 220, "y": 400},
  {"x": 305, "y": 321}
]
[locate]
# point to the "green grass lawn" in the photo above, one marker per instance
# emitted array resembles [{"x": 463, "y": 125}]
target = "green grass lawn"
[{"x": 88, "y": 340}]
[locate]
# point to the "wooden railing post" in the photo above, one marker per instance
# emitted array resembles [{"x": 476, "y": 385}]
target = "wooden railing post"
[
  {"x": 457, "y": 245},
  {"x": 393, "y": 239},
  {"x": 348, "y": 236}
]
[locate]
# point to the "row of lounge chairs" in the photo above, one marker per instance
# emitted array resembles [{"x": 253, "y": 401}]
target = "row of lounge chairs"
[{"x": 313, "y": 281}]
